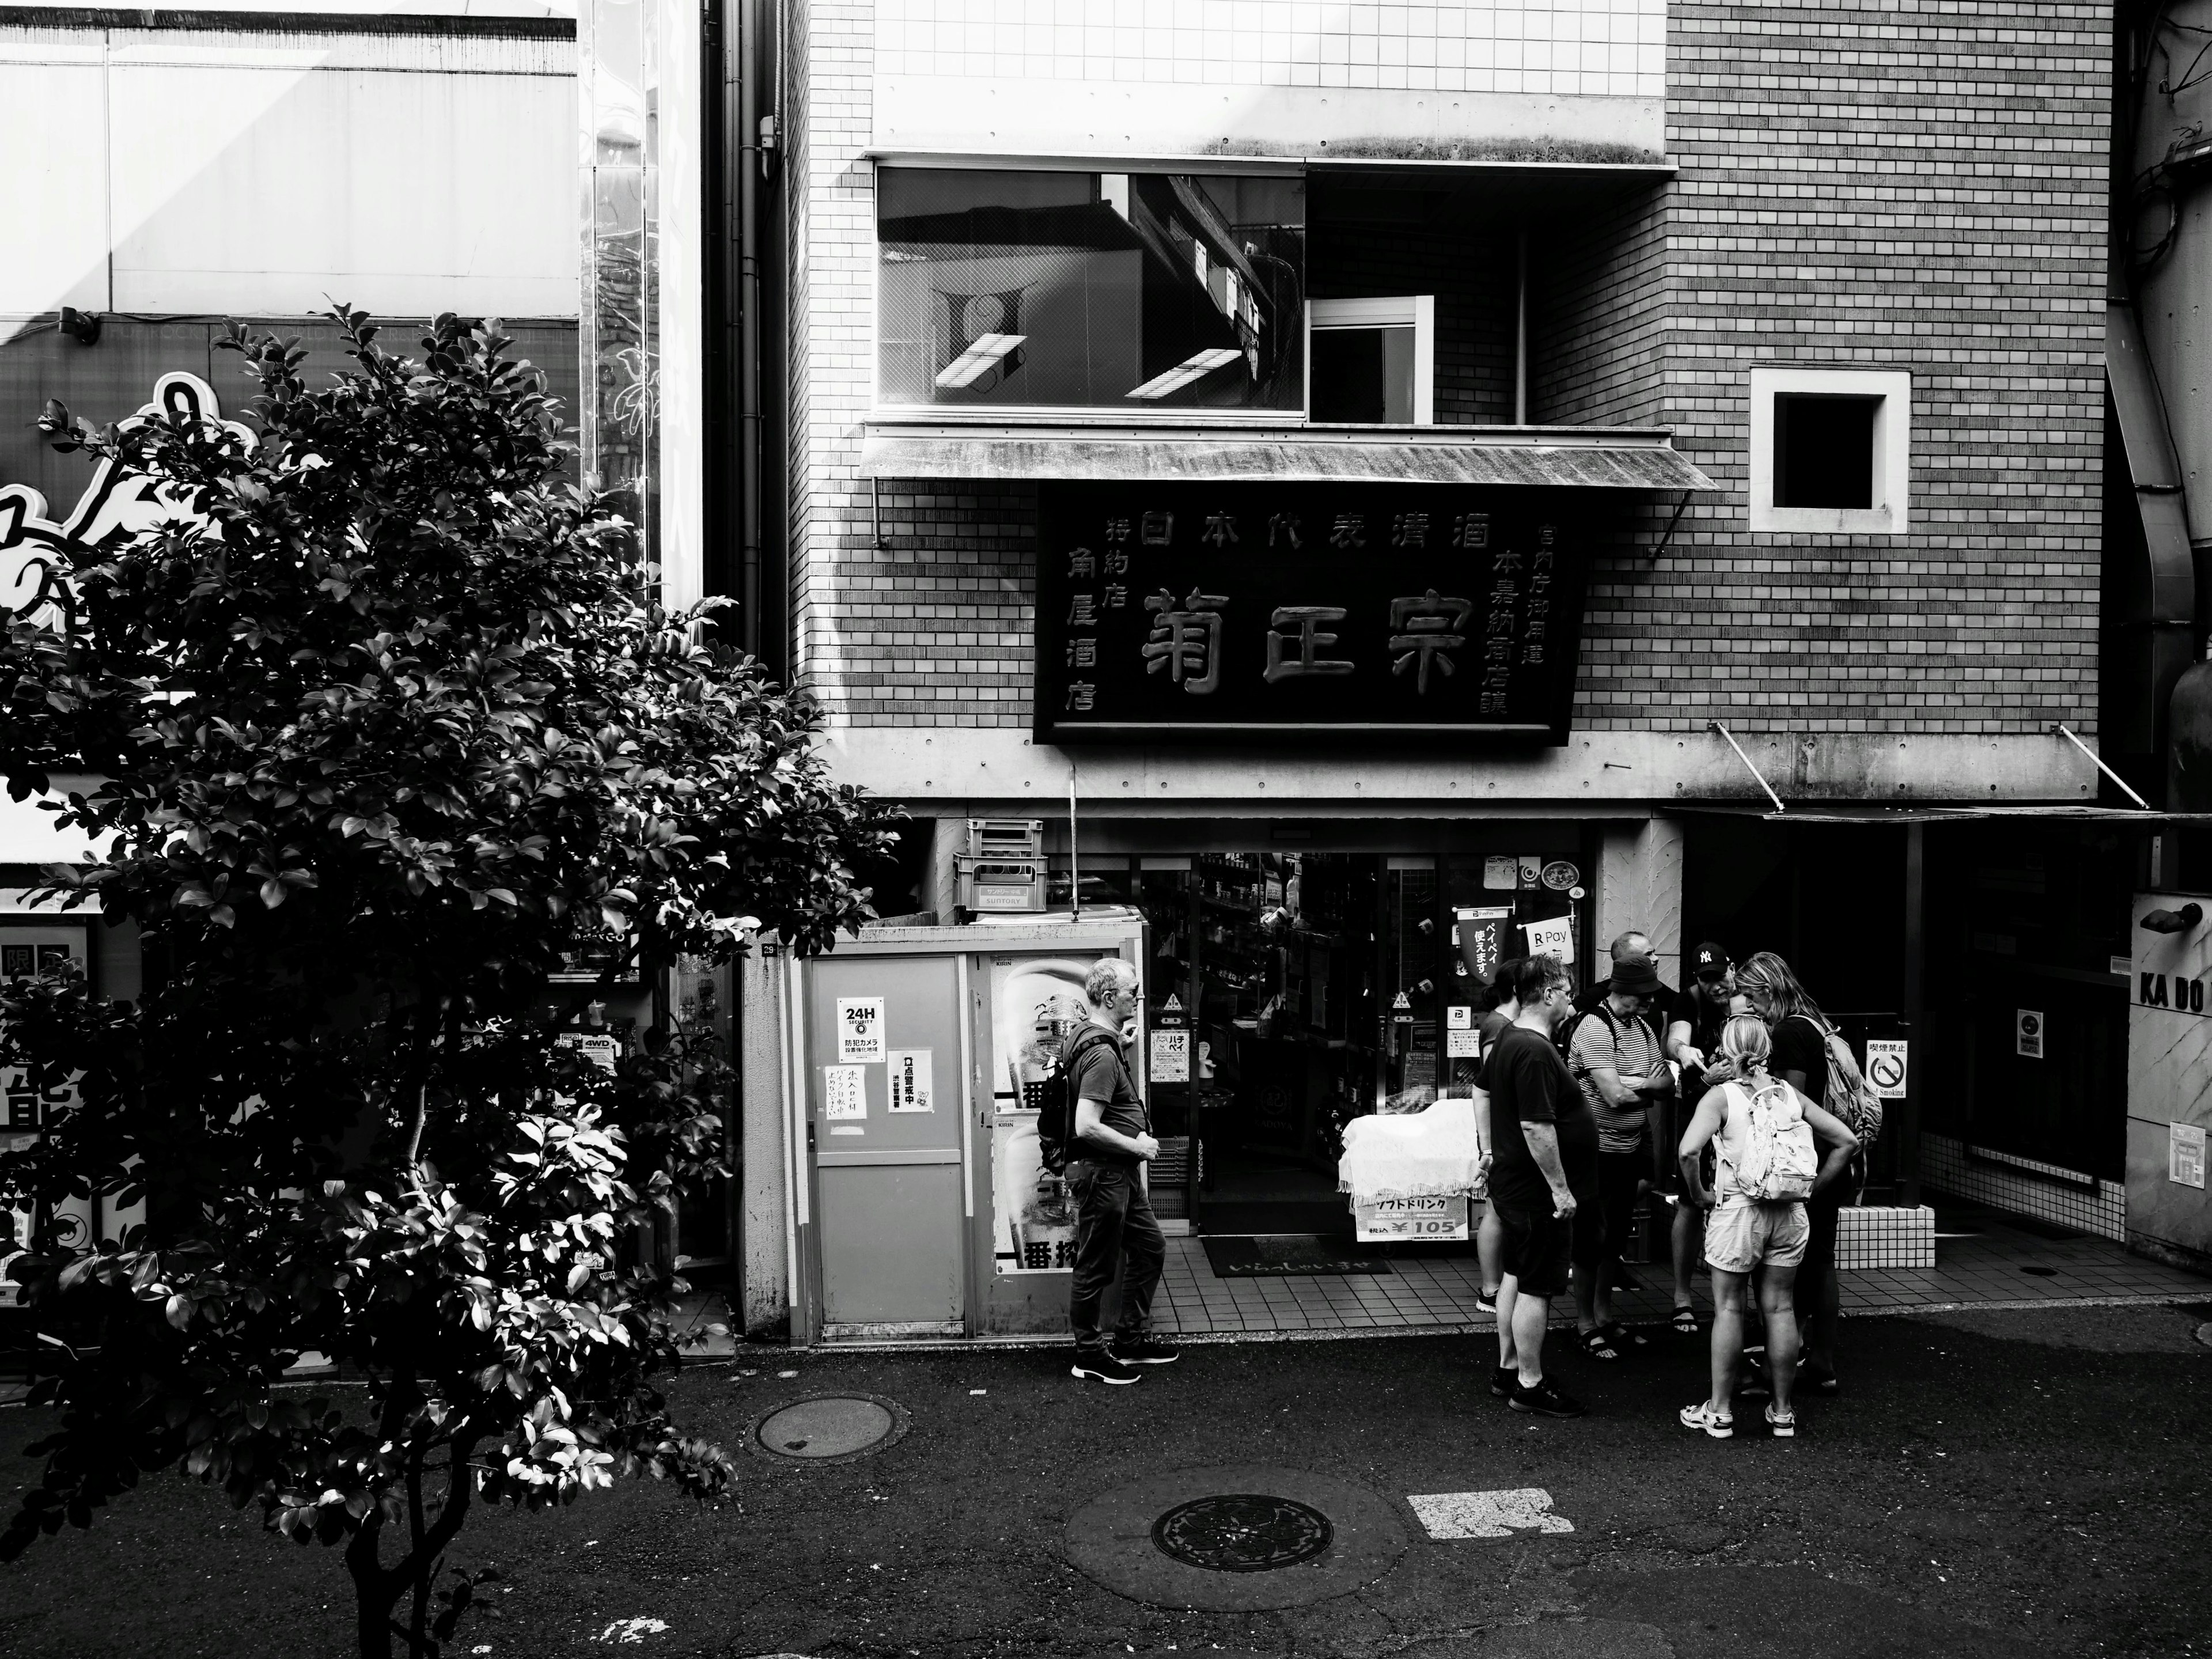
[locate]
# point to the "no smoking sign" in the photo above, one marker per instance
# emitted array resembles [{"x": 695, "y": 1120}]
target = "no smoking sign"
[{"x": 1886, "y": 1067}]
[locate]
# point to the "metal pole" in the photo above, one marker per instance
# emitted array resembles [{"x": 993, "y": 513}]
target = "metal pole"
[
  {"x": 1520, "y": 329},
  {"x": 2098, "y": 762},
  {"x": 1714, "y": 726},
  {"x": 1074, "y": 869},
  {"x": 1916, "y": 992}
]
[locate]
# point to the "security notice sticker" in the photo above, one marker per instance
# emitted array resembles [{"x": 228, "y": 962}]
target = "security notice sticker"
[
  {"x": 859, "y": 1030},
  {"x": 2028, "y": 1033},
  {"x": 1169, "y": 1059},
  {"x": 1885, "y": 1067},
  {"x": 909, "y": 1072},
  {"x": 2185, "y": 1155},
  {"x": 844, "y": 1091}
]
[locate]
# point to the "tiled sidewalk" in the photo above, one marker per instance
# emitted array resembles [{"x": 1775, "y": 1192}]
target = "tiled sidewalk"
[{"x": 1998, "y": 1266}]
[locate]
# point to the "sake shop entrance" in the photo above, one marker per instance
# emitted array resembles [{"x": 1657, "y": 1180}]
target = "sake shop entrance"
[{"x": 1292, "y": 988}]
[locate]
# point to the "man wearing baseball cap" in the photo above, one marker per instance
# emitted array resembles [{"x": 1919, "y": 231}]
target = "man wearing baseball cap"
[{"x": 1694, "y": 1036}]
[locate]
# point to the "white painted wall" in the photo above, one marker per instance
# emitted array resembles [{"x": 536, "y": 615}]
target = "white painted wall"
[
  {"x": 184, "y": 170},
  {"x": 1106, "y": 77}
]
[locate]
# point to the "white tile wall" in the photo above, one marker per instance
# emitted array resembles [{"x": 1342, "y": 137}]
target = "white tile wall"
[
  {"x": 1945, "y": 1168},
  {"x": 1610, "y": 47}
]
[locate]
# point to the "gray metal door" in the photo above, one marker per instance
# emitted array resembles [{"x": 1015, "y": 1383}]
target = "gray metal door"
[{"x": 884, "y": 1115}]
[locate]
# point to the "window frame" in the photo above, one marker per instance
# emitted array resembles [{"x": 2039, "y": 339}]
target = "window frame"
[
  {"x": 1891, "y": 490},
  {"x": 1392, "y": 311},
  {"x": 1058, "y": 414}
]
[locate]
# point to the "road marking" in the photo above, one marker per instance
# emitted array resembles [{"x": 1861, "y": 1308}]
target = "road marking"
[{"x": 1488, "y": 1514}]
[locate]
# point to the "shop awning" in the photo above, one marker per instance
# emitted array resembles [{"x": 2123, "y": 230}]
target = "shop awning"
[
  {"x": 1844, "y": 812},
  {"x": 1558, "y": 457}
]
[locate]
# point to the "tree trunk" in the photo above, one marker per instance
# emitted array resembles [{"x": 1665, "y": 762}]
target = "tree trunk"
[{"x": 374, "y": 1591}]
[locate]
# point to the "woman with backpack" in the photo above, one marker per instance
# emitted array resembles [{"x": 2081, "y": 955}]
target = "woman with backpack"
[
  {"x": 1801, "y": 1035},
  {"x": 1763, "y": 1132}
]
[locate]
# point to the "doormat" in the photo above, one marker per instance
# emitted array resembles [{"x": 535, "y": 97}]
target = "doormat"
[{"x": 1283, "y": 1256}]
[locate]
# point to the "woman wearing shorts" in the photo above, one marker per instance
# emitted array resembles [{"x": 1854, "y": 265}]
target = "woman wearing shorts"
[{"x": 1744, "y": 1232}]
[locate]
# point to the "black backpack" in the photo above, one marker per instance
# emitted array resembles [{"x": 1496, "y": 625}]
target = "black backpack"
[{"x": 1056, "y": 1099}]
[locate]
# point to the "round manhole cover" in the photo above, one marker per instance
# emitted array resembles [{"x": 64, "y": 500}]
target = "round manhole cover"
[
  {"x": 839, "y": 1425},
  {"x": 1243, "y": 1532}
]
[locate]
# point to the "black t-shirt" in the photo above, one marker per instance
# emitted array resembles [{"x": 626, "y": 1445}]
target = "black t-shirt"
[
  {"x": 1706, "y": 1021},
  {"x": 1800, "y": 1046},
  {"x": 1100, "y": 1074},
  {"x": 1529, "y": 1082}
]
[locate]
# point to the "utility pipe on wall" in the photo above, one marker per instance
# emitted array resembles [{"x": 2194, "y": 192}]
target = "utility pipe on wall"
[{"x": 1520, "y": 329}]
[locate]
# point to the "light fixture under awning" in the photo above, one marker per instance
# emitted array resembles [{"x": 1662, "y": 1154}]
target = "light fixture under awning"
[{"x": 1581, "y": 458}]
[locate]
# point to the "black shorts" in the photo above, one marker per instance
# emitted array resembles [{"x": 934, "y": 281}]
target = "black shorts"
[{"x": 1538, "y": 1246}]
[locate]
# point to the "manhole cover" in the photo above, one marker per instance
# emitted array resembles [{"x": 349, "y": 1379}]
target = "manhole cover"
[
  {"x": 1243, "y": 1532},
  {"x": 835, "y": 1426},
  {"x": 1236, "y": 1538}
]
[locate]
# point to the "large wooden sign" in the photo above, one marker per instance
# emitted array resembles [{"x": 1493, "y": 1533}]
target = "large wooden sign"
[{"x": 1251, "y": 611}]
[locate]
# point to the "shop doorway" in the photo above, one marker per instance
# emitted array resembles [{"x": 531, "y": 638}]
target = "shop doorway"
[{"x": 1289, "y": 992}]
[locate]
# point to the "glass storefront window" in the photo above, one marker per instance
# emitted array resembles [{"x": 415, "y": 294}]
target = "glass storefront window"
[{"x": 1138, "y": 292}]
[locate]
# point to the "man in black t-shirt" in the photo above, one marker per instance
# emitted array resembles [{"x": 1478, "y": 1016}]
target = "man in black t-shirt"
[{"x": 1543, "y": 1184}]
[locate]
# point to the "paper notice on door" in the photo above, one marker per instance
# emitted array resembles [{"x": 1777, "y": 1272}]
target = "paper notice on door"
[
  {"x": 1169, "y": 1059},
  {"x": 1462, "y": 1045},
  {"x": 908, "y": 1072},
  {"x": 844, "y": 1091},
  {"x": 1503, "y": 874},
  {"x": 1555, "y": 937},
  {"x": 2185, "y": 1155},
  {"x": 859, "y": 1030}
]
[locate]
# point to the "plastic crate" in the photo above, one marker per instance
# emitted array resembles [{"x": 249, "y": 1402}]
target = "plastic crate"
[
  {"x": 1007, "y": 838},
  {"x": 1000, "y": 885}
]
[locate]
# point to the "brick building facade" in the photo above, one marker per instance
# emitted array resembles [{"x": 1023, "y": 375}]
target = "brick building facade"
[{"x": 1651, "y": 241}]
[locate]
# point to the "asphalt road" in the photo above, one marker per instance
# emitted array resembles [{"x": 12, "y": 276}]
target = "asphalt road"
[{"x": 1991, "y": 1485}]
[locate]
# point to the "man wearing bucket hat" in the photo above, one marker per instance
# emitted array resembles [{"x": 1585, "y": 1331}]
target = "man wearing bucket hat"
[{"x": 1617, "y": 1054}]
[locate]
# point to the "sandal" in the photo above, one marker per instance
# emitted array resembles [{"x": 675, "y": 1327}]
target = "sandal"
[
  {"x": 1623, "y": 1337},
  {"x": 1685, "y": 1321},
  {"x": 1598, "y": 1345}
]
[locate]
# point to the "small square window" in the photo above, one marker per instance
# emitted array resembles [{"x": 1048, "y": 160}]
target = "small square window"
[
  {"x": 1824, "y": 450},
  {"x": 1830, "y": 451}
]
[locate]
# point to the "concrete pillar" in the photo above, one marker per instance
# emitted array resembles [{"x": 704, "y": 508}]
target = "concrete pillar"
[
  {"x": 1639, "y": 886},
  {"x": 763, "y": 1291}
]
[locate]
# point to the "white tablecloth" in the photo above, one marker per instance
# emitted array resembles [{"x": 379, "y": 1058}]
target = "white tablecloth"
[{"x": 1427, "y": 1154}]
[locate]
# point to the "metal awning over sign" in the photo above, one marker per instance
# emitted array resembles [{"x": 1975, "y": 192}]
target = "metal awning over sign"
[{"x": 1577, "y": 458}]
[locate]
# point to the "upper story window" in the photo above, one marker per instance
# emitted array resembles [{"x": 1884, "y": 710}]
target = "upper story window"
[
  {"x": 1831, "y": 451},
  {"x": 1135, "y": 292}
]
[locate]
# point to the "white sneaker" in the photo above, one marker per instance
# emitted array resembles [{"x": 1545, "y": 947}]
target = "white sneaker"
[
  {"x": 1719, "y": 1425},
  {"x": 1784, "y": 1424}
]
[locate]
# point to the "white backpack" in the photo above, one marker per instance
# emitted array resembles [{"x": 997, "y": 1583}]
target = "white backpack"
[{"x": 1775, "y": 1159}]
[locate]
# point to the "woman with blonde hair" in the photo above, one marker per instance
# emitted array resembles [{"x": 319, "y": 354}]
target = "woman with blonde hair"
[
  {"x": 1763, "y": 1131},
  {"x": 1799, "y": 1032}
]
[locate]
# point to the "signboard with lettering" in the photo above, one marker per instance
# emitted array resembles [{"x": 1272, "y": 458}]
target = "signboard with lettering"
[{"x": 1248, "y": 611}]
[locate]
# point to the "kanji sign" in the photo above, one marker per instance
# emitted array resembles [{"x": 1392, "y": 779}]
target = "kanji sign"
[{"x": 1249, "y": 610}]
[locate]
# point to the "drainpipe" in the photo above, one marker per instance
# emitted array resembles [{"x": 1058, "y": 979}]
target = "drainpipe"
[{"x": 749, "y": 64}]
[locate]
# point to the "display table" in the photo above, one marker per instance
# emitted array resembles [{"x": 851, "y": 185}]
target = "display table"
[{"x": 1410, "y": 1175}]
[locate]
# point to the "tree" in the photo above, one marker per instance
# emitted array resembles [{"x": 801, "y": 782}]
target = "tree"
[{"x": 390, "y": 729}]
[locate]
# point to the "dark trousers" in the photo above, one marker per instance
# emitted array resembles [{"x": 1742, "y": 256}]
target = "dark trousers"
[{"x": 1115, "y": 1230}]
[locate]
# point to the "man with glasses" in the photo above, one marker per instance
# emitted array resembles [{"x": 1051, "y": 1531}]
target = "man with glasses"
[
  {"x": 1543, "y": 1184},
  {"x": 1115, "y": 1231}
]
